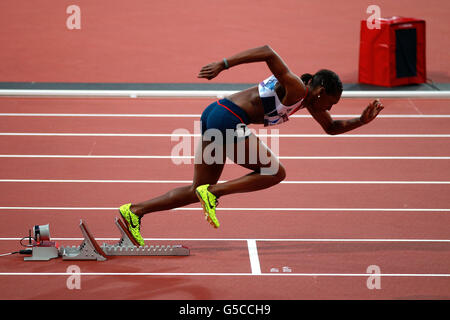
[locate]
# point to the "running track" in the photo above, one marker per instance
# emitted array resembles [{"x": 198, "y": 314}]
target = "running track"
[{"x": 376, "y": 196}]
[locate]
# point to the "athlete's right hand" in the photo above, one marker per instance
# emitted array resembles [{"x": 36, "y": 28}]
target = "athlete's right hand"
[
  {"x": 372, "y": 110},
  {"x": 211, "y": 70}
]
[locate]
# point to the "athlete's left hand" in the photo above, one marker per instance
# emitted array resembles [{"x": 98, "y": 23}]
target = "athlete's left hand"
[
  {"x": 211, "y": 70},
  {"x": 372, "y": 110}
]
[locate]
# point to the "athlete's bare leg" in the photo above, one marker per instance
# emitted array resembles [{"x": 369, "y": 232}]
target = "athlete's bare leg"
[
  {"x": 183, "y": 196},
  {"x": 267, "y": 170}
]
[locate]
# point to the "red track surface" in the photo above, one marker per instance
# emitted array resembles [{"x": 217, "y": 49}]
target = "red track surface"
[
  {"x": 335, "y": 231},
  {"x": 163, "y": 41},
  {"x": 323, "y": 263}
]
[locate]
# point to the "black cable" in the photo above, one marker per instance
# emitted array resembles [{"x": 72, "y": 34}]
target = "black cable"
[
  {"x": 29, "y": 240},
  {"x": 26, "y": 251},
  {"x": 7, "y": 254}
]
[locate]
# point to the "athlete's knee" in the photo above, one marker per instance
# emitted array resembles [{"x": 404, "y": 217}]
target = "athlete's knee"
[{"x": 192, "y": 187}]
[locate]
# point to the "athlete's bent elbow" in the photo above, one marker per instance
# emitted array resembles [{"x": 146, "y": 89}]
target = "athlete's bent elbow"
[
  {"x": 332, "y": 132},
  {"x": 281, "y": 173},
  {"x": 332, "y": 128},
  {"x": 267, "y": 47},
  {"x": 268, "y": 51}
]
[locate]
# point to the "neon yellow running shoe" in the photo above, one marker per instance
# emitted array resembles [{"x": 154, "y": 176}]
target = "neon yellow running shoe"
[
  {"x": 209, "y": 203},
  {"x": 133, "y": 223}
]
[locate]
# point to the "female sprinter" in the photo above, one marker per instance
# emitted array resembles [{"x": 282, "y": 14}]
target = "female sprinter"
[{"x": 269, "y": 103}]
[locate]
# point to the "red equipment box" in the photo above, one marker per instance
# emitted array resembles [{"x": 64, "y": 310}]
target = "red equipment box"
[{"x": 394, "y": 53}]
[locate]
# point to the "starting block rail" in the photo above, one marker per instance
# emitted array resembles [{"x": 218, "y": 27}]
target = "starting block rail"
[
  {"x": 89, "y": 249},
  {"x": 128, "y": 246}
]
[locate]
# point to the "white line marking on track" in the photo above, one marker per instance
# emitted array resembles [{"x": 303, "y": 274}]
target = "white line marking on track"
[
  {"x": 253, "y": 255},
  {"x": 68, "y": 156},
  {"x": 246, "y": 209},
  {"x": 185, "y": 115},
  {"x": 199, "y": 274},
  {"x": 364, "y": 158},
  {"x": 170, "y": 135},
  {"x": 106, "y": 115},
  {"x": 260, "y": 240},
  {"x": 220, "y": 181},
  {"x": 210, "y": 94}
]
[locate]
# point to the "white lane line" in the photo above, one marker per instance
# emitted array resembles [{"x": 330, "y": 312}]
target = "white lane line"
[
  {"x": 210, "y": 94},
  {"x": 106, "y": 115},
  {"x": 246, "y": 209},
  {"x": 260, "y": 240},
  {"x": 200, "y": 274},
  {"x": 173, "y": 135},
  {"x": 220, "y": 181},
  {"x": 62, "y": 156},
  {"x": 185, "y": 115},
  {"x": 253, "y": 255},
  {"x": 365, "y": 158}
]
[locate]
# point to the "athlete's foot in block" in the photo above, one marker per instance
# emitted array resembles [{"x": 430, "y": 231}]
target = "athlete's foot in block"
[{"x": 133, "y": 222}]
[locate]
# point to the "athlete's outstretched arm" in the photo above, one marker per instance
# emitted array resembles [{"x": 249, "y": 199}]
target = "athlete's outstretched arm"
[
  {"x": 334, "y": 127},
  {"x": 291, "y": 82}
]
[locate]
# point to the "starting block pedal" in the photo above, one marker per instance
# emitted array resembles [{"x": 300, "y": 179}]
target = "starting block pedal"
[
  {"x": 87, "y": 250},
  {"x": 127, "y": 246}
]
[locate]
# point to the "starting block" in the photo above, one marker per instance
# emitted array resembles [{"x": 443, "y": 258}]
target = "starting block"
[
  {"x": 89, "y": 249},
  {"x": 128, "y": 246}
]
